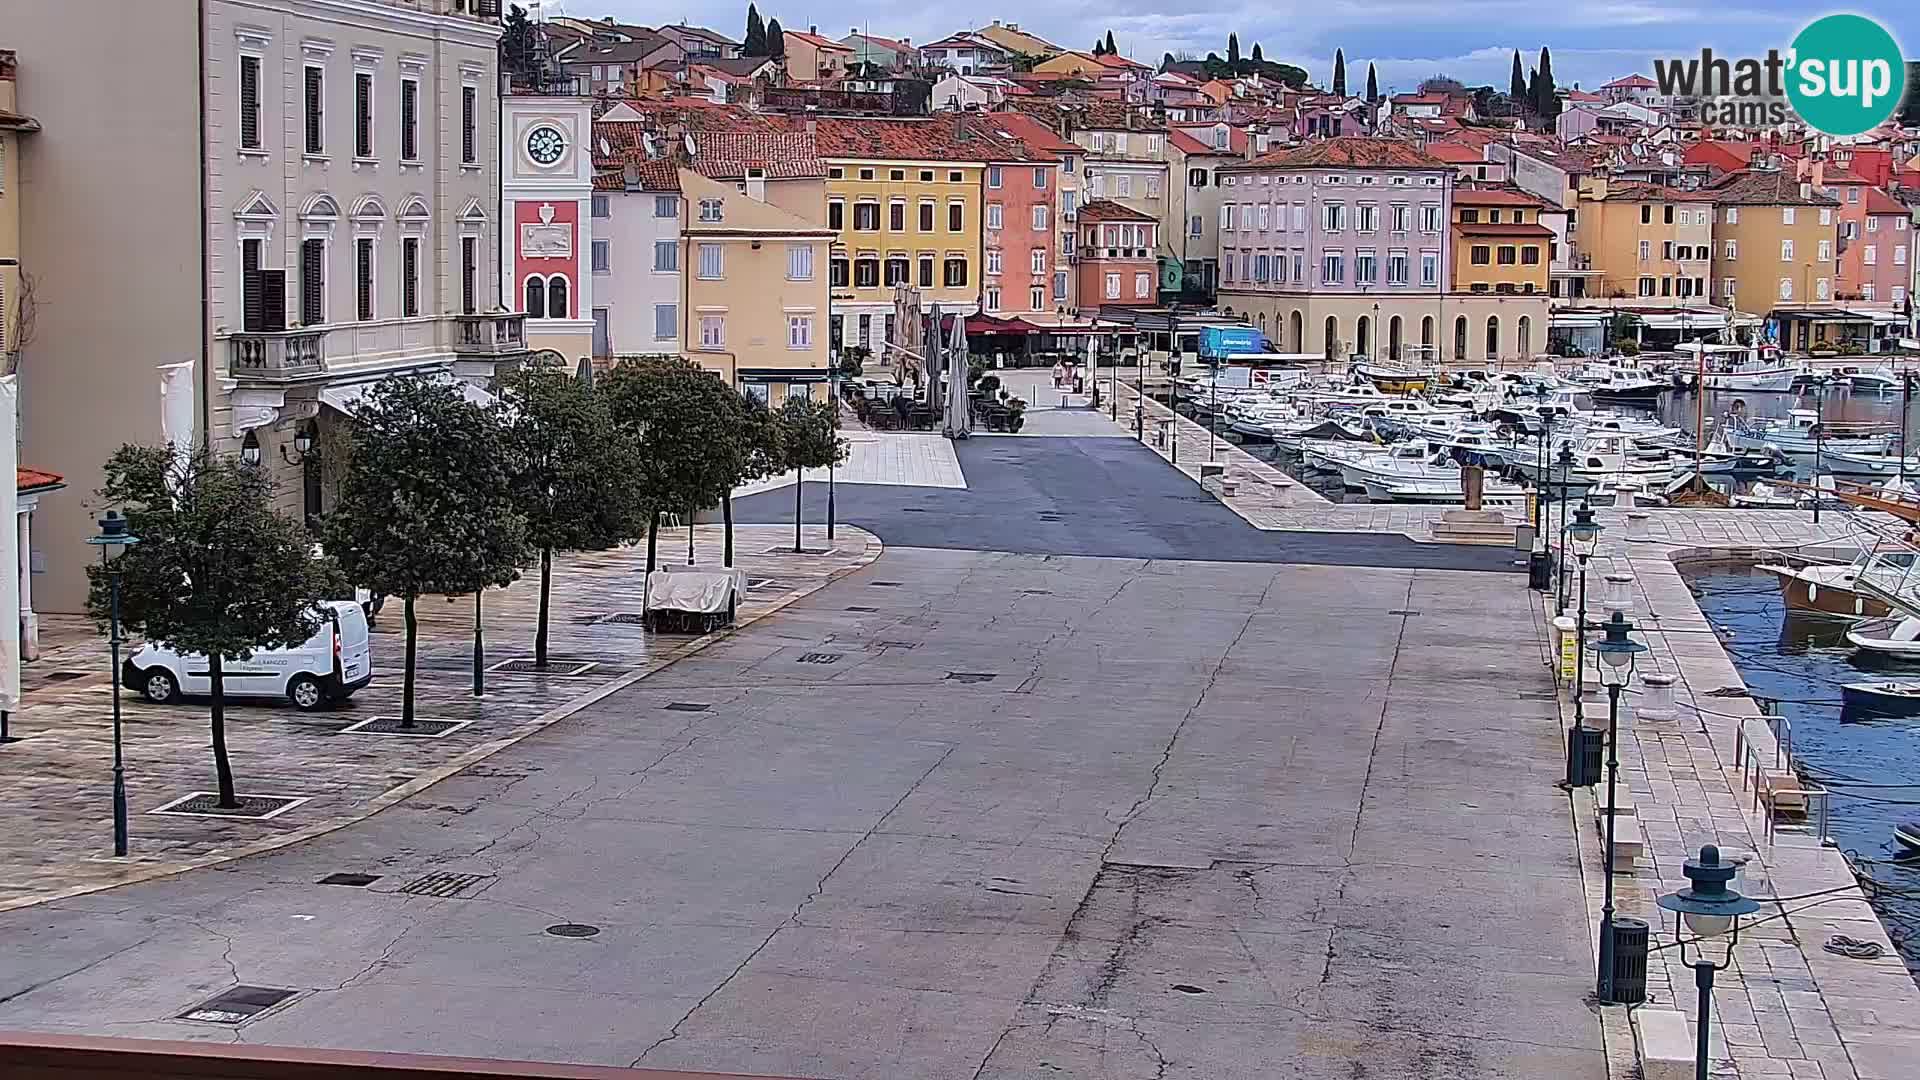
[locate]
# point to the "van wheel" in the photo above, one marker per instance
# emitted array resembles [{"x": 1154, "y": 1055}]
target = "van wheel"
[
  {"x": 306, "y": 693},
  {"x": 158, "y": 686}
]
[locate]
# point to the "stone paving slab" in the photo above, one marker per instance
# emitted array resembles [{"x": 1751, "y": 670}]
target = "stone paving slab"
[
  {"x": 55, "y": 783},
  {"x": 1264, "y": 490}
]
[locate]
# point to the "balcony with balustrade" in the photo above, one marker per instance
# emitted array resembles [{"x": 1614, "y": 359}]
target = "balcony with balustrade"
[
  {"x": 495, "y": 335},
  {"x": 277, "y": 357}
]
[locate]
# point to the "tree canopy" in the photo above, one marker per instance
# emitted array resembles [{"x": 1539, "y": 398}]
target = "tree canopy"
[
  {"x": 1340, "y": 72},
  {"x": 1546, "y": 98},
  {"x": 755, "y": 43},
  {"x": 776, "y": 40},
  {"x": 217, "y": 570},
  {"x": 1373, "y": 85},
  {"x": 1233, "y": 49},
  {"x": 1256, "y": 52},
  {"x": 1517, "y": 84},
  {"x": 1111, "y": 51}
]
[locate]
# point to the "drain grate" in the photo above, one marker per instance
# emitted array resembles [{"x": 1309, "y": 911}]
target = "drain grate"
[
  {"x": 207, "y": 804},
  {"x": 66, "y": 676},
  {"x": 556, "y": 667},
  {"x": 441, "y": 883},
  {"x": 623, "y": 618},
  {"x": 896, "y": 644},
  {"x": 423, "y": 727},
  {"x": 237, "y": 1005},
  {"x": 688, "y": 706},
  {"x": 351, "y": 881},
  {"x": 861, "y": 607},
  {"x": 913, "y": 509},
  {"x": 573, "y": 930},
  {"x": 820, "y": 658},
  {"x": 1403, "y": 611},
  {"x": 971, "y": 676},
  {"x": 1188, "y": 988},
  {"x": 1037, "y": 592},
  {"x": 884, "y": 584},
  {"x": 756, "y": 584}
]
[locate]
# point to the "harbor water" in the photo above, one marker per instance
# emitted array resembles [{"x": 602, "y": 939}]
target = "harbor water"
[{"x": 1872, "y": 766}]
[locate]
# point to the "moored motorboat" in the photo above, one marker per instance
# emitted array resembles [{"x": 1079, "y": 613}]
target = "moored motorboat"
[
  {"x": 1826, "y": 590},
  {"x": 1893, "y": 638},
  {"x": 1907, "y": 835},
  {"x": 1886, "y": 697},
  {"x": 1851, "y": 463}
]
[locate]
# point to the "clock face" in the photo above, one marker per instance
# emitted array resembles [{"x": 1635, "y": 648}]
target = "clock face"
[{"x": 545, "y": 144}]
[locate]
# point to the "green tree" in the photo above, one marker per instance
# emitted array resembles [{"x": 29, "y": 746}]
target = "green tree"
[
  {"x": 776, "y": 40},
  {"x": 663, "y": 407},
  {"x": 517, "y": 45},
  {"x": 218, "y": 571},
  {"x": 1373, "y": 86},
  {"x": 1517, "y": 84},
  {"x": 1099, "y": 47},
  {"x": 1233, "y": 49},
  {"x": 809, "y": 439},
  {"x": 1166, "y": 62},
  {"x": 1546, "y": 98},
  {"x": 1256, "y": 54},
  {"x": 572, "y": 475},
  {"x": 426, "y": 505},
  {"x": 1111, "y": 51},
  {"x": 1340, "y": 72},
  {"x": 756, "y": 39}
]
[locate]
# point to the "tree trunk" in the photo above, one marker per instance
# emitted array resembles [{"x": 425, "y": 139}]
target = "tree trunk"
[
  {"x": 222, "y": 768},
  {"x": 653, "y": 538},
  {"x": 546, "y": 587},
  {"x": 799, "y": 485},
  {"x": 726, "y": 516},
  {"x": 689, "y": 536},
  {"x": 406, "y": 685}
]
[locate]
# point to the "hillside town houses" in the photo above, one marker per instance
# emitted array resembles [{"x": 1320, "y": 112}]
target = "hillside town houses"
[{"x": 337, "y": 190}]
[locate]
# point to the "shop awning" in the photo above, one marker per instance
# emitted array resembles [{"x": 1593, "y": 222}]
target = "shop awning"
[
  {"x": 1683, "y": 320},
  {"x": 987, "y": 324},
  {"x": 1569, "y": 320},
  {"x": 342, "y": 398}
]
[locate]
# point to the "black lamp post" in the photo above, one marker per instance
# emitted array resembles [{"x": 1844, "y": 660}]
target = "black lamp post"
[
  {"x": 1617, "y": 654},
  {"x": 1584, "y": 535},
  {"x": 1564, "y": 465},
  {"x": 114, "y": 536},
  {"x": 1711, "y": 908},
  {"x": 833, "y": 398}
]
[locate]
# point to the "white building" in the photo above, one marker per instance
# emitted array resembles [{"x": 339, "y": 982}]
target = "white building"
[
  {"x": 546, "y": 168},
  {"x": 635, "y": 253}
]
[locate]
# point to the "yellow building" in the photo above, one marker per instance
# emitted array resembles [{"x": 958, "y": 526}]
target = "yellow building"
[
  {"x": 1651, "y": 244},
  {"x": 1499, "y": 243},
  {"x": 1774, "y": 250},
  {"x": 12, "y": 126},
  {"x": 755, "y": 258},
  {"x": 904, "y": 202}
]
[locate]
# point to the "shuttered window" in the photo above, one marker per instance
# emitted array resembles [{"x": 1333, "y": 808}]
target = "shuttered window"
[
  {"x": 469, "y": 271},
  {"x": 250, "y": 102},
  {"x": 409, "y": 119},
  {"x": 253, "y": 317},
  {"x": 469, "y": 107},
  {"x": 316, "y": 115},
  {"x": 313, "y": 263},
  {"x": 363, "y": 277},
  {"x": 410, "y": 276},
  {"x": 363, "y": 115}
]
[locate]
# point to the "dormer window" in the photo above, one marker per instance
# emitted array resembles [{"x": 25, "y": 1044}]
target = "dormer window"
[{"x": 710, "y": 210}]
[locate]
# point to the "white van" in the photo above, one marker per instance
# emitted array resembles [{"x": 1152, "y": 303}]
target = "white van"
[{"x": 329, "y": 666}]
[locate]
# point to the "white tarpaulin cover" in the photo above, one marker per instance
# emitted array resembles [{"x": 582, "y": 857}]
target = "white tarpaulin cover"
[
  {"x": 9, "y": 546},
  {"x": 706, "y": 592},
  {"x": 344, "y": 398}
]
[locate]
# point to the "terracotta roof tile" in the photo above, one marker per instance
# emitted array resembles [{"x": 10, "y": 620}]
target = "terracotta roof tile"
[
  {"x": 954, "y": 137},
  {"x": 1038, "y": 137},
  {"x": 1455, "y": 153},
  {"x": 1635, "y": 81},
  {"x": 651, "y": 174},
  {"x": 1108, "y": 210},
  {"x": 1763, "y": 187},
  {"x": 1467, "y": 195},
  {"x": 1637, "y": 191},
  {"x": 26, "y": 479},
  {"x": 816, "y": 40},
  {"x": 1502, "y": 228},
  {"x": 1879, "y": 202},
  {"x": 1350, "y": 152},
  {"x": 726, "y": 155}
]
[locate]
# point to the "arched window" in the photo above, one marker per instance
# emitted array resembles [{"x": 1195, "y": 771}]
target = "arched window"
[
  {"x": 1298, "y": 324},
  {"x": 1426, "y": 333},
  {"x": 536, "y": 297},
  {"x": 557, "y": 297},
  {"x": 1493, "y": 337},
  {"x": 1460, "y": 338},
  {"x": 1263, "y": 324},
  {"x": 1363, "y": 336},
  {"x": 1526, "y": 337},
  {"x": 1333, "y": 337},
  {"x": 1393, "y": 338}
]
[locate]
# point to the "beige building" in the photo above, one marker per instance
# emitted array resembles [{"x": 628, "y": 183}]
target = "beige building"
[
  {"x": 754, "y": 263},
  {"x": 1774, "y": 251},
  {"x": 1651, "y": 244},
  {"x": 315, "y": 209},
  {"x": 13, "y": 125}
]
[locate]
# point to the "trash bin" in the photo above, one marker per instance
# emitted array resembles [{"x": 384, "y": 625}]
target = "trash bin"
[{"x": 1540, "y": 572}]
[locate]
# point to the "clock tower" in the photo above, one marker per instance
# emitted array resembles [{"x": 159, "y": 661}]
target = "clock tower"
[{"x": 546, "y": 171}]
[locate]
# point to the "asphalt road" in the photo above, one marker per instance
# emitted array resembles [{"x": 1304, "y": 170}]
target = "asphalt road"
[{"x": 1093, "y": 496}]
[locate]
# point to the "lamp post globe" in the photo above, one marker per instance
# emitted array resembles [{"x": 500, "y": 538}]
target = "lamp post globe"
[
  {"x": 1712, "y": 908},
  {"x": 1584, "y": 532},
  {"x": 114, "y": 535}
]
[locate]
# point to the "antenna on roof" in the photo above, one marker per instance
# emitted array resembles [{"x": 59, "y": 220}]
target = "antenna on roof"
[
  {"x": 605, "y": 150},
  {"x": 686, "y": 138}
]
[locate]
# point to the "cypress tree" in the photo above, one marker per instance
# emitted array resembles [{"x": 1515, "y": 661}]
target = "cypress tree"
[
  {"x": 1233, "y": 49},
  {"x": 1517, "y": 86},
  {"x": 1111, "y": 51},
  {"x": 1373, "y": 86},
  {"x": 776, "y": 40},
  {"x": 1340, "y": 72},
  {"x": 756, "y": 42},
  {"x": 1546, "y": 101},
  {"x": 1257, "y": 58}
]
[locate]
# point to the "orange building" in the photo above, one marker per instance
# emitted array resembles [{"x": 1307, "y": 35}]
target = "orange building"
[{"x": 1115, "y": 255}]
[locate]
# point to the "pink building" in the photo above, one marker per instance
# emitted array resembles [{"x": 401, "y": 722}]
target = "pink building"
[
  {"x": 1879, "y": 264},
  {"x": 1019, "y": 250}
]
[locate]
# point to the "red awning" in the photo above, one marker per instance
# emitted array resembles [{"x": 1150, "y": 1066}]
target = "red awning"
[{"x": 987, "y": 324}]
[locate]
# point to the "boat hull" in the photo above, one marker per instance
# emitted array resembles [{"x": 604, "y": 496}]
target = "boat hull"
[
  {"x": 1881, "y": 698},
  {"x": 1805, "y": 591},
  {"x": 1777, "y": 381}
]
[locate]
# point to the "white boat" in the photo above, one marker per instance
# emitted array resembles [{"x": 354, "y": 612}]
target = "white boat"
[
  {"x": 1802, "y": 433},
  {"x": 1439, "y": 482},
  {"x": 1848, "y": 463},
  {"x": 1895, "y": 638},
  {"x": 1622, "y": 383},
  {"x": 1601, "y": 459},
  {"x": 1879, "y": 380},
  {"x": 1754, "y": 369},
  {"x": 1358, "y": 467},
  {"x": 1764, "y": 496}
]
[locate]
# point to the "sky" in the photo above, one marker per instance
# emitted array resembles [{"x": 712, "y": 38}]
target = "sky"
[{"x": 1592, "y": 41}]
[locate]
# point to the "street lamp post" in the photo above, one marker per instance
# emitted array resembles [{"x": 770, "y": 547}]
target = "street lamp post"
[
  {"x": 1617, "y": 655},
  {"x": 1819, "y": 441},
  {"x": 114, "y": 536},
  {"x": 1711, "y": 908},
  {"x": 833, "y": 398},
  {"x": 1584, "y": 535},
  {"x": 1565, "y": 468}
]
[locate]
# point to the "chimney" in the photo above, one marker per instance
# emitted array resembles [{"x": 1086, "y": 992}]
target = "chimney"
[
  {"x": 814, "y": 30},
  {"x": 756, "y": 183},
  {"x": 813, "y": 120},
  {"x": 1253, "y": 139},
  {"x": 996, "y": 22},
  {"x": 630, "y": 175},
  {"x": 1819, "y": 172},
  {"x": 906, "y": 41}
]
